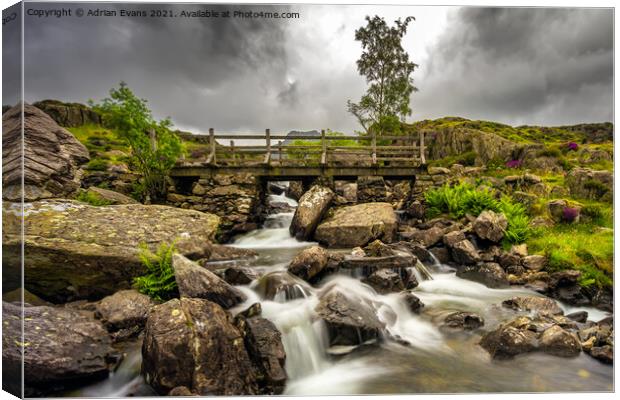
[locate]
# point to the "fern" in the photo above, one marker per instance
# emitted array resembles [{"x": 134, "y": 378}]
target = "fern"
[{"x": 159, "y": 282}]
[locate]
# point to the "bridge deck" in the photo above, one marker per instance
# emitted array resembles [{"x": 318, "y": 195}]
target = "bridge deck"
[{"x": 394, "y": 157}]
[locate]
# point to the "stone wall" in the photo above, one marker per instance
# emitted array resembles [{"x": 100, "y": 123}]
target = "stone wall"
[{"x": 236, "y": 199}]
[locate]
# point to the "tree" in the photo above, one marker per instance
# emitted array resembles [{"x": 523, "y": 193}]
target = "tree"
[
  {"x": 387, "y": 69},
  {"x": 154, "y": 148}
]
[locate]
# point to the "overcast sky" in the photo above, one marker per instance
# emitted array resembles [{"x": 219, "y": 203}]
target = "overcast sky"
[{"x": 517, "y": 66}]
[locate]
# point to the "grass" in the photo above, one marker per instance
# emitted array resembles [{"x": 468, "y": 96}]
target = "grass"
[
  {"x": 159, "y": 282},
  {"x": 92, "y": 198},
  {"x": 585, "y": 247},
  {"x": 462, "y": 199}
]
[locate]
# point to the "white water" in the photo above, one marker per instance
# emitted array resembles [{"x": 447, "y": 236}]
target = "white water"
[{"x": 433, "y": 361}]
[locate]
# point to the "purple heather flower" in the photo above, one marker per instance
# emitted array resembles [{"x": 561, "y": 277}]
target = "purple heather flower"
[
  {"x": 570, "y": 214},
  {"x": 513, "y": 164},
  {"x": 572, "y": 146}
]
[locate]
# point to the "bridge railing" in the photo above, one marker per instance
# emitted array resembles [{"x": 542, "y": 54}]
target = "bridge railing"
[{"x": 323, "y": 150}]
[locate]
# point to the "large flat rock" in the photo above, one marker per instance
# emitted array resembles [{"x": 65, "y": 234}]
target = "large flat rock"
[
  {"x": 77, "y": 251},
  {"x": 358, "y": 225}
]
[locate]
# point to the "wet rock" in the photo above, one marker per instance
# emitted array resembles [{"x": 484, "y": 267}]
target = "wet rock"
[
  {"x": 281, "y": 286},
  {"x": 358, "y": 225},
  {"x": 225, "y": 253},
  {"x": 255, "y": 310},
  {"x": 197, "y": 282},
  {"x": 239, "y": 275},
  {"x": 124, "y": 309},
  {"x": 182, "y": 334},
  {"x": 442, "y": 254},
  {"x": 110, "y": 196},
  {"x": 534, "y": 263},
  {"x": 413, "y": 302},
  {"x": 489, "y": 274},
  {"x": 77, "y": 251},
  {"x": 464, "y": 252},
  {"x": 426, "y": 237},
  {"x": 463, "y": 320},
  {"x": 507, "y": 341},
  {"x": 386, "y": 281},
  {"x": 358, "y": 252},
  {"x": 263, "y": 342},
  {"x": 509, "y": 259},
  {"x": 309, "y": 263},
  {"x": 349, "y": 321},
  {"x": 490, "y": 226},
  {"x": 421, "y": 253},
  {"x": 579, "y": 316},
  {"x": 295, "y": 190},
  {"x": 531, "y": 303},
  {"x": 378, "y": 249},
  {"x": 605, "y": 354},
  {"x": 52, "y": 156},
  {"x": 60, "y": 347},
  {"x": 312, "y": 206},
  {"x": 181, "y": 391},
  {"x": 558, "y": 342},
  {"x": 452, "y": 238},
  {"x": 564, "y": 286}
]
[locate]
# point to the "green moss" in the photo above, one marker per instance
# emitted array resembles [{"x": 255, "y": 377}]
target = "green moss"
[
  {"x": 467, "y": 159},
  {"x": 583, "y": 247},
  {"x": 93, "y": 199},
  {"x": 97, "y": 164}
]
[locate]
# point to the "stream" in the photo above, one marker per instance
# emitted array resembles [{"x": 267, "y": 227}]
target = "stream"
[{"x": 435, "y": 361}]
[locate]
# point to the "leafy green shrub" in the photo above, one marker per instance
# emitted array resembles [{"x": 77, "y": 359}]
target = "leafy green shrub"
[
  {"x": 464, "y": 198},
  {"x": 93, "y": 199},
  {"x": 598, "y": 214},
  {"x": 159, "y": 283},
  {"x": 596, "y": 186},
  {"x": 550, "y": 152},
  {"x": 97, "y": 164}
]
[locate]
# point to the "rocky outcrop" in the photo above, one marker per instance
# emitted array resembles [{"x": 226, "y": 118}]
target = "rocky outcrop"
[
  {"x": 537, "y": 304},
  {"x": 463, "y": 320},
  {"x": 68, "y": 114},
  {"x": 590, "y": 184},
  {"x": 51, "y": 156},
  {"x": 110, "y": 196},
  {"x": 76, "y": 251},
  {"x": 490, "y": 226},
  {"x": 197, "y": 282},
  {"x": 193, "y": 343},
  {"x": 349, "y": 321},
  {"x": 358, "y": 225},
  {"x": 309, "y": 263},
  {"x": 60, "y": 347},
  {"x": 281, "y": 286},
  {"x": 310, "y": 210},
  {"x": 125, "y": 311}
]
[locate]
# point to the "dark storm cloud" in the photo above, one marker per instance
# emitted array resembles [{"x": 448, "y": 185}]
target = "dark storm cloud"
[
  {"x": 544, "y": 66},
  {"x": 183, "y": 66}
]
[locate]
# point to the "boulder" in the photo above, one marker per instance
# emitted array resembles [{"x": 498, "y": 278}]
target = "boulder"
[
  {"x": 197, "y": 282},
  {"x": 464, "y": 252},
  {"x": 489, "y": 274},
  {"x": 507, "y": 341},
  {"x": 590, "y": 184},
  {"x": 193, "y": 343},
  {"x": 310, "y": 210},
  {"x": 110, "y": 196},
  {"x": 263, "y": 342},
  {"x": 309, "y": 263},
  {"x": 490, "y": 226},
  {"x": 452, "y": 238},
  {"x": 226, "y": 253},
  {"x": 442, "y": 254},
  {"x": 60, "y": 346},
  {"x": 240, "y": 275},
  {"x": 77, "y": 251},
  {"x": 358, "y": 225},
  {"x": 386, "y": 281},
  {"x": 413, "y": 302},
  {"x": 282, "y": 286},
  {"x": 51, "y": 156},
  {"x": 125, "y": 309},
  {"x": 295, "y": 190},
  {"x": 425, "y": 237},
  {"x": 463, "y": 320},
  {"x": 532, "y": 303},
  {"x": 561, "y": 211},
  {"x": 604, "y": 354},
  {"x": 558, "y": 342},
  {"x": 371, "y": 189},
  {"x": 349, "y": 321},
  {"x": 535, "y": 262},
  {"x": 578, "y": 316}
]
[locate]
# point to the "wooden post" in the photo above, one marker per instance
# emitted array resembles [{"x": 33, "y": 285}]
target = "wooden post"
[
  {"x": 280, "y": 151},
  {"x": 268, "y": 140},
  {"x": 323, "y": 148},
  {"x": 212, "y": 159},
  {"x": 422, "y": 156},
  {"x": 374, "y": 148},
  {"x": 232, "y": 150}
]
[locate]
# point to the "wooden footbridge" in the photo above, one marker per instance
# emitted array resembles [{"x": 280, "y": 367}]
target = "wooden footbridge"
[{"x": 305, "y": 156}]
